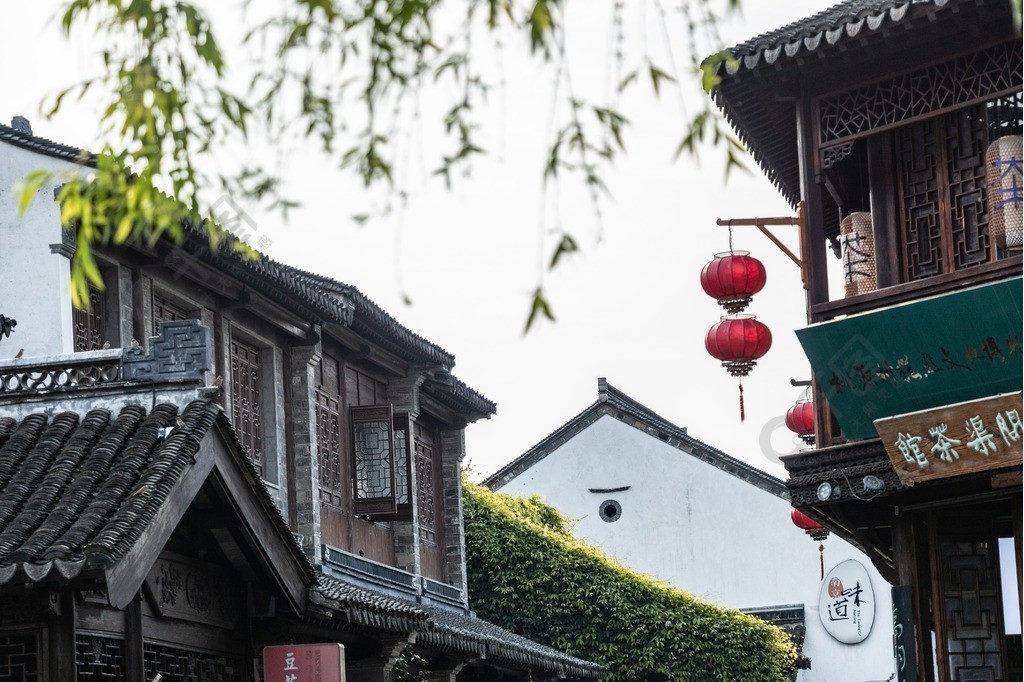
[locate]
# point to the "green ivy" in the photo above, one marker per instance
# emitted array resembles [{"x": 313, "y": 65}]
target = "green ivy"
[{"x": 529, "y": 575}]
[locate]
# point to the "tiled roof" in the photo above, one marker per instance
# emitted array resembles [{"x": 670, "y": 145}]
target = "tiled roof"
[
  {"x": 457, "y": 395},
  {"x": 646, "y": 420},
  {"x": 77, "y": 492},
  {"x": 319, "y": 299},
  {"x": 364, "y": 607},
  {"x": 467, "y": 634},
  {"x": 443, "y": 628},
  {"x": 41, "y": 145},
  {"x": 844, "y": 20},
  {"x": 374, "y": 322}
]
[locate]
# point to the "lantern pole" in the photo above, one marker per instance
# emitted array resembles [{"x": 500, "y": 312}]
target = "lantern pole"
[{"x": 762, "y": 225}]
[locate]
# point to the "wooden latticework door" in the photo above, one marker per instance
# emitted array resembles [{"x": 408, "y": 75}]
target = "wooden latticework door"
[{"x": 967, "y": 600}]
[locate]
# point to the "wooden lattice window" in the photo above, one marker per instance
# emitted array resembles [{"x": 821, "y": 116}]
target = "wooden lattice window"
[
  {"x": 246, "y": 403},
  {"x": 373, "y": 461},
  {"x": 166, "y": 310},
  {"x": 328, "y": 441},
  {"x": 941, "y": 169},
  {"x": 99, "y": 658},
  {"x": 172, "y": 663},
  {"x": 89, "y": 323},
  {"x": 426, "y": 488},
  {"x": 19, "y": 657}
]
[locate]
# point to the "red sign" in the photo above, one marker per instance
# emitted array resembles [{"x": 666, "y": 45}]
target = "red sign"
[{"x": 304, "y": 663}]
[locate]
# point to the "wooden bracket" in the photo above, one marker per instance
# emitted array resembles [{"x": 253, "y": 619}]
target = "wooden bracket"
[{"x": 762, "y": 224}]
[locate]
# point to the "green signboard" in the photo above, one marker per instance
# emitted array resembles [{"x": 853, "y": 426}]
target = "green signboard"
[{"x": 919, "y": 355}]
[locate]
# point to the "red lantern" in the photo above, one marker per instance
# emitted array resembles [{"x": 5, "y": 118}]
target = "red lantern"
[
  {"x": 803, "y": 521},
  {"x": 733, "y": 277},
  {"x": 800, "y": 420},
  {"x": 817, "y": 532},
  {"x": 738, "y": 341}
]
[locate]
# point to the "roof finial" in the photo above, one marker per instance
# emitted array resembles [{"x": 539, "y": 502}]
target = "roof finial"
[
  {"x": 21, "y": 124},
  {"x": 602, "y": 389}
]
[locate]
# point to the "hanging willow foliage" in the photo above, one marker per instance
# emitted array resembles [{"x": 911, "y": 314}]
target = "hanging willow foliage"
[{"x": 528, "y": 575}]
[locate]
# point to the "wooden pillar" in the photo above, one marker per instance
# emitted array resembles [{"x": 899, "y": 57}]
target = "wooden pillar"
[
  {"x": 813, "y": 244},
  {"x": 61, "y": 636},
  {"x": 913, "y": 648},
  {"x": 134, "y": 665},
  {"x": 883, "y": 210}
]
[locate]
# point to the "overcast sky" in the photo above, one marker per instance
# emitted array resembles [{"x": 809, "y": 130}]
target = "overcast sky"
[{"x": 629, "y": 308}]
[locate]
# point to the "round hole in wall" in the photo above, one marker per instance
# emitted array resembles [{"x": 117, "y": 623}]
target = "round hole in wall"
[{"x": 610, "y": 510}]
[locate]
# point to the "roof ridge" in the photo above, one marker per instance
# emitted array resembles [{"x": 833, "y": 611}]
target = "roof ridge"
[{"x": 608, "y": 394}]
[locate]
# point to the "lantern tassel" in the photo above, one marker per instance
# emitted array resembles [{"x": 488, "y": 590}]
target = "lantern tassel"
[
  {"x": 821, "y": 555},
  {"x": 743, "y": 414}
]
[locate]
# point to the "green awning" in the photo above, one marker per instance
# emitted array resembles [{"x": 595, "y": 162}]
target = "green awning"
[{"x": 915, "y": 356}]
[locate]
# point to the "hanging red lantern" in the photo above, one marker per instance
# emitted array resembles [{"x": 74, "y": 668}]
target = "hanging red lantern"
[
  {"x": 733, "y": 277},
  {"x": 800, "y": 420},
  {"x": 803, "y": 521},
  {"x": 817, "y": 532},
  {"x": 738, "y": 341}
]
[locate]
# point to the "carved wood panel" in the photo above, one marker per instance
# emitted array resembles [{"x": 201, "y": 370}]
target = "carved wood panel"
[
  {"x": 907, "y": 97},
  {"x": 185, "y": 589}
]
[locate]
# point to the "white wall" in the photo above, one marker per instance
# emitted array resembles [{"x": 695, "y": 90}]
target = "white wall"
[
  {"x": 34, "y": 282},
  {"x": 708, "y": 532}
]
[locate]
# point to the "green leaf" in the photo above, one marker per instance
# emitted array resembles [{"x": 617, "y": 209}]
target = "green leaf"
[
  {"x": 538, "y": 306},
  {"x": 29, "y": 187},
  {"x": 657, "y": 76},
  {"x": 567, "y": 245}
]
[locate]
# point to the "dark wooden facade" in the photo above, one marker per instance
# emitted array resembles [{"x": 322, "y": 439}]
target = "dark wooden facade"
[
  {"x": 278, "y": 465},
  {"x": 892, "y": 108}
]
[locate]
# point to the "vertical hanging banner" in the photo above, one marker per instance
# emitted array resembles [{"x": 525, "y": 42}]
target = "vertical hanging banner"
[
  {"x": 904, "y": 645},
  {"x": 304, "y": 663}
]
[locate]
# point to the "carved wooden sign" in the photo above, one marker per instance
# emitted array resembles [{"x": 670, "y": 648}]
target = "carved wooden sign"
[
  {"x": 957, "y": 439},
  {"x": 183, "y": 588},
  {"x": 304, "y": 663}
]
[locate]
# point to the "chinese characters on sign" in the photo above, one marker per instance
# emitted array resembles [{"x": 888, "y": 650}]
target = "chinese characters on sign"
[
  {"x": 304, "y": 663},
  {"x": 862, "y": 371},
  {"x": 967, "y": 437},
  {"x": 846, "y": 603}
]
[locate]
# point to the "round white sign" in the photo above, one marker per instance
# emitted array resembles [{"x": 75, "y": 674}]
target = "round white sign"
[{"x": 846, "y": 604}]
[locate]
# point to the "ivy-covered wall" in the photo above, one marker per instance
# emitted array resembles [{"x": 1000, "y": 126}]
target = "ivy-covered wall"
[{"x": 528, "y": 575}]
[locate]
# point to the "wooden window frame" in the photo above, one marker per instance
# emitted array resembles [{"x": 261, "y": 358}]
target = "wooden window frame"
[
  {"x": 253, "y": 439},
  {"x": 180, "y": 310},
  {"x": 382, "y": 417}
]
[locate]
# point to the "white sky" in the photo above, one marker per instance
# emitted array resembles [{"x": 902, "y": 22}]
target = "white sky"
[{"x": 630, "y": 308}]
